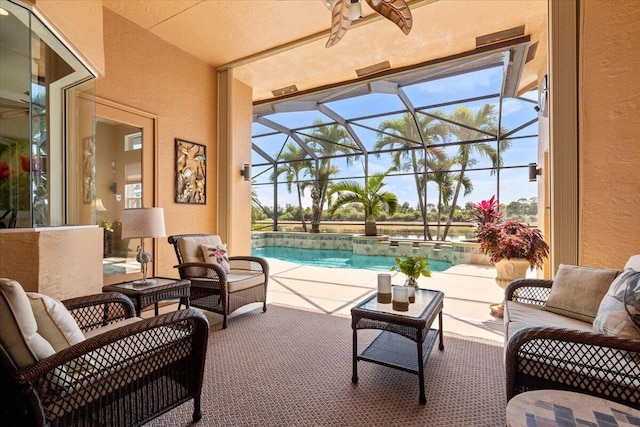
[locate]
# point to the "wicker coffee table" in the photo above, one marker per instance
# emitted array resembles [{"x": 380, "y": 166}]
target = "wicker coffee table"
[
  {"x": 157, "y": 289},
  {"x": 406, "y": 338}
]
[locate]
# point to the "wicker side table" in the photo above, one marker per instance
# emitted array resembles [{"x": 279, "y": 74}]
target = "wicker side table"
[
  {"x": 157, "y": 289},
  {"x": 549, "y": 408}
]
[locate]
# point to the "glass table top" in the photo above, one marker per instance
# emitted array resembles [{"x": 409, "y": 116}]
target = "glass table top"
[{"x": 424, "y": 297}]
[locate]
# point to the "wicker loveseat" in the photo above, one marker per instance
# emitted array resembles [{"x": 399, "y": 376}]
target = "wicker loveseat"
[
  {"x": 220, "y": 286},
  {"x": 547, "y": 349},
  {"x": 119, "y": 371}
]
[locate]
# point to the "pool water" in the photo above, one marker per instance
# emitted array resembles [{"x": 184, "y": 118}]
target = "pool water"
[{"x": 333, "y": 258}]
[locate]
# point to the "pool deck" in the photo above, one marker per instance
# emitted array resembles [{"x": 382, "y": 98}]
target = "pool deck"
[{"x": 468, "y": 289}]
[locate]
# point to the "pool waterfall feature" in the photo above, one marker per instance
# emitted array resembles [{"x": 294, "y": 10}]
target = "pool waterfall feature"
[{"x": 453, "y": 252}]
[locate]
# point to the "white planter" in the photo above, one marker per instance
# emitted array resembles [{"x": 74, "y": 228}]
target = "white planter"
[{"x": 510, "y": 269}]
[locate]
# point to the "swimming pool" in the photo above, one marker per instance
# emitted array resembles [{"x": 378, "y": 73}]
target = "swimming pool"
[{"x": 333, "y": 258}]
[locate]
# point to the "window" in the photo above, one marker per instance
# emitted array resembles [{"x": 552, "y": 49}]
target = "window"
[{"x": 133, "y": 141}]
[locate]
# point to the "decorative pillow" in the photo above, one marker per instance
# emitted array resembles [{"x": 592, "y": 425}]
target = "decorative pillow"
[
  {"x": 216, "y": 254},
  {"x": 18, "y": 327},
  {"x": 632, "y": 301},
  {"x": 577, "y": 291},
  {"x": 190, "y": 246},
  {"x": 55, "y": 323},
  {"x": 612, "y": 318}
]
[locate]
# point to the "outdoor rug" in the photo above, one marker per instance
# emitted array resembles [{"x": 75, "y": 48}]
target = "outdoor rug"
[{"x": 289, "y": 367}]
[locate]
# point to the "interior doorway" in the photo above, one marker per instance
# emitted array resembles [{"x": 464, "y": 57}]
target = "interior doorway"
[{"x": 124, "y": 179}]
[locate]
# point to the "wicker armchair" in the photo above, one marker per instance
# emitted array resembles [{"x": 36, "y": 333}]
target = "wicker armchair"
[
  {"x": 568, "y": 359},
  {"x": 124, "y": 376},
  {"x": 212, "y": 287}
]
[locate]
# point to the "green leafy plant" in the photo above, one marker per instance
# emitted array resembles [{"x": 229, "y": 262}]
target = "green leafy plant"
[
  {"x": 107, "y": 225},
  {"x": 371, "y": 197},
  {"x": 413, "y": 268}
]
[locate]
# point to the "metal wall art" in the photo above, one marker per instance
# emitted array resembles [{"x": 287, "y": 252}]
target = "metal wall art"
[{"x": 191, "y": 172}]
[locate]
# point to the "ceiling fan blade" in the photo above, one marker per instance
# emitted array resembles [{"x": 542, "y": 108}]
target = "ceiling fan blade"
[
  {"x": 340, "y": 22},
  {"x": 14, "y": 114}
]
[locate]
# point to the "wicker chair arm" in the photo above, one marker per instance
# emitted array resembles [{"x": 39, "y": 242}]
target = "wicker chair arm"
[
  {"x": 251, "y": 263},
  {"x": 528, "y": 291},
  {"x": 120, "y": 341},
  {"x": 93, "y": 311},
  {"x": 588, "y": 362}
]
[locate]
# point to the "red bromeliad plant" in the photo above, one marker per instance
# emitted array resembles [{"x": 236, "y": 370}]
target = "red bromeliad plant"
[
  {"x": 487, "y": 211},
  {"x": 508, "y": 239}
]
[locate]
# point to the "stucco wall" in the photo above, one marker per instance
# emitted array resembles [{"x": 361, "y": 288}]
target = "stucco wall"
[
  {"x": 62, "y": 262},
  {"x": 240, "y": 236},
  {"x": 610, "y": 134},
  {"x": 148, "y": 74},
  {"x": 80, "y": 24}
]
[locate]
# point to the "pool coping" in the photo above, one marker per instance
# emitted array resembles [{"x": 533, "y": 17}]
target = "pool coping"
[{"x": 463, "y": 252}]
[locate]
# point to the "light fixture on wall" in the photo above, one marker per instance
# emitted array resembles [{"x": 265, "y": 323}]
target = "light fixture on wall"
[
  {"x": 343, "y": 12},
  {"x": 246, "y": 172},
  {"x": 534, "y": 171},
  {"x": 140, "y": 224}
]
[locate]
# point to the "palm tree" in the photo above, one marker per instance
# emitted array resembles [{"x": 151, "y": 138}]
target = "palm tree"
[
  {"x": 293, "y": 169},
  {"x": 402, "y": 135},
  {"x": 466, "y": 127},
  {"x": 373, "y": 200},
  {"x": 327, "y": 141}
]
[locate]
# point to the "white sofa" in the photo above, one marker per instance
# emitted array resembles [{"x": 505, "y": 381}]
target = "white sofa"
[{"x": 574, "y": 333}]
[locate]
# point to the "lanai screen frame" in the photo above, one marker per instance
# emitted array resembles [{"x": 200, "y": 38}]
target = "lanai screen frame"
[{"x": 265, "y": 115}]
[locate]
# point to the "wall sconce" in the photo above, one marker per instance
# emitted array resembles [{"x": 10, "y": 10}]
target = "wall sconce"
[
  {"x": 246, "y": 172},
  {"x": 534, "y": 171}
]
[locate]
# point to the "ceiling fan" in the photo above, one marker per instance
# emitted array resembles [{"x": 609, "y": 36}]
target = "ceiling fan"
[
  {"x": 343, "y": 12},
  {"x": 13, "y": 111}
]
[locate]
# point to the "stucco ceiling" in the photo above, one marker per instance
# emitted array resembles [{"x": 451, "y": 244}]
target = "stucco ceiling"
[{"x": 271, "y": 44}]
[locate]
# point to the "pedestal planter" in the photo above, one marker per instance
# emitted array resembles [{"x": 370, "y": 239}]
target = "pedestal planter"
[{"x": 508, "y": 270}]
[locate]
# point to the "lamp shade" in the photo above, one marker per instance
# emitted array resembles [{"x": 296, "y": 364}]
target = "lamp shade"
[
  {"x": 99, "y": 206},
  {"x": 141, "y": 223}
]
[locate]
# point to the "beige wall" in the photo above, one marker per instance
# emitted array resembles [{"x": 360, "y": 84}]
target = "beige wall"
[
  {"x": 80, "y": 24},
  {"x": 242, "y": 117},
  {"x": 610, "y": 136},
  {"x": 148, "y": 74}
]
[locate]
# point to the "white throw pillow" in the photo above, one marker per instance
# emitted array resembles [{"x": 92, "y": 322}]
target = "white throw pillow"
[
  {"x": 55, "y": 323},
  {"x": 18, "y": 328},
  {"x": 216, "y": 254}
]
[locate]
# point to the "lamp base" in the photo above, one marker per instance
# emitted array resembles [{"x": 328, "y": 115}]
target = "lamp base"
[{"x": 142, "y": 283}]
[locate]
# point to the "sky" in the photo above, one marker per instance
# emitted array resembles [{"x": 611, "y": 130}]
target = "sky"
[{"x": 514, "y": 183}]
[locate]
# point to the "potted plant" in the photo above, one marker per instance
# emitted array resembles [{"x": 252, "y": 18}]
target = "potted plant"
[
  {"x": 371, "y": 197},
  {"x": 412, "y": 267},
  {"x": 511, "y": 245},
  {"x": 108, "y": 232}
]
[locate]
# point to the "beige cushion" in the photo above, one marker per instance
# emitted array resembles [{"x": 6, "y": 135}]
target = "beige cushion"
[
  {"x": 111, "y": 326},
  {"x": 238, "y": 280},
  {"x": 55, "y": 323},
  {"x": 190, "y": 247},
  {"x": 612, "y": 317},
  {"x": 18, "y": 328},
  {"x": 518, "y": 316},
  {"x": 577, "y": 291},
  {"x": 216, "y": 254}
]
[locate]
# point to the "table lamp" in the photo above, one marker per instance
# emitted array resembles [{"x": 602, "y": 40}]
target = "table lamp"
[{"x": 143, "y": 223}]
